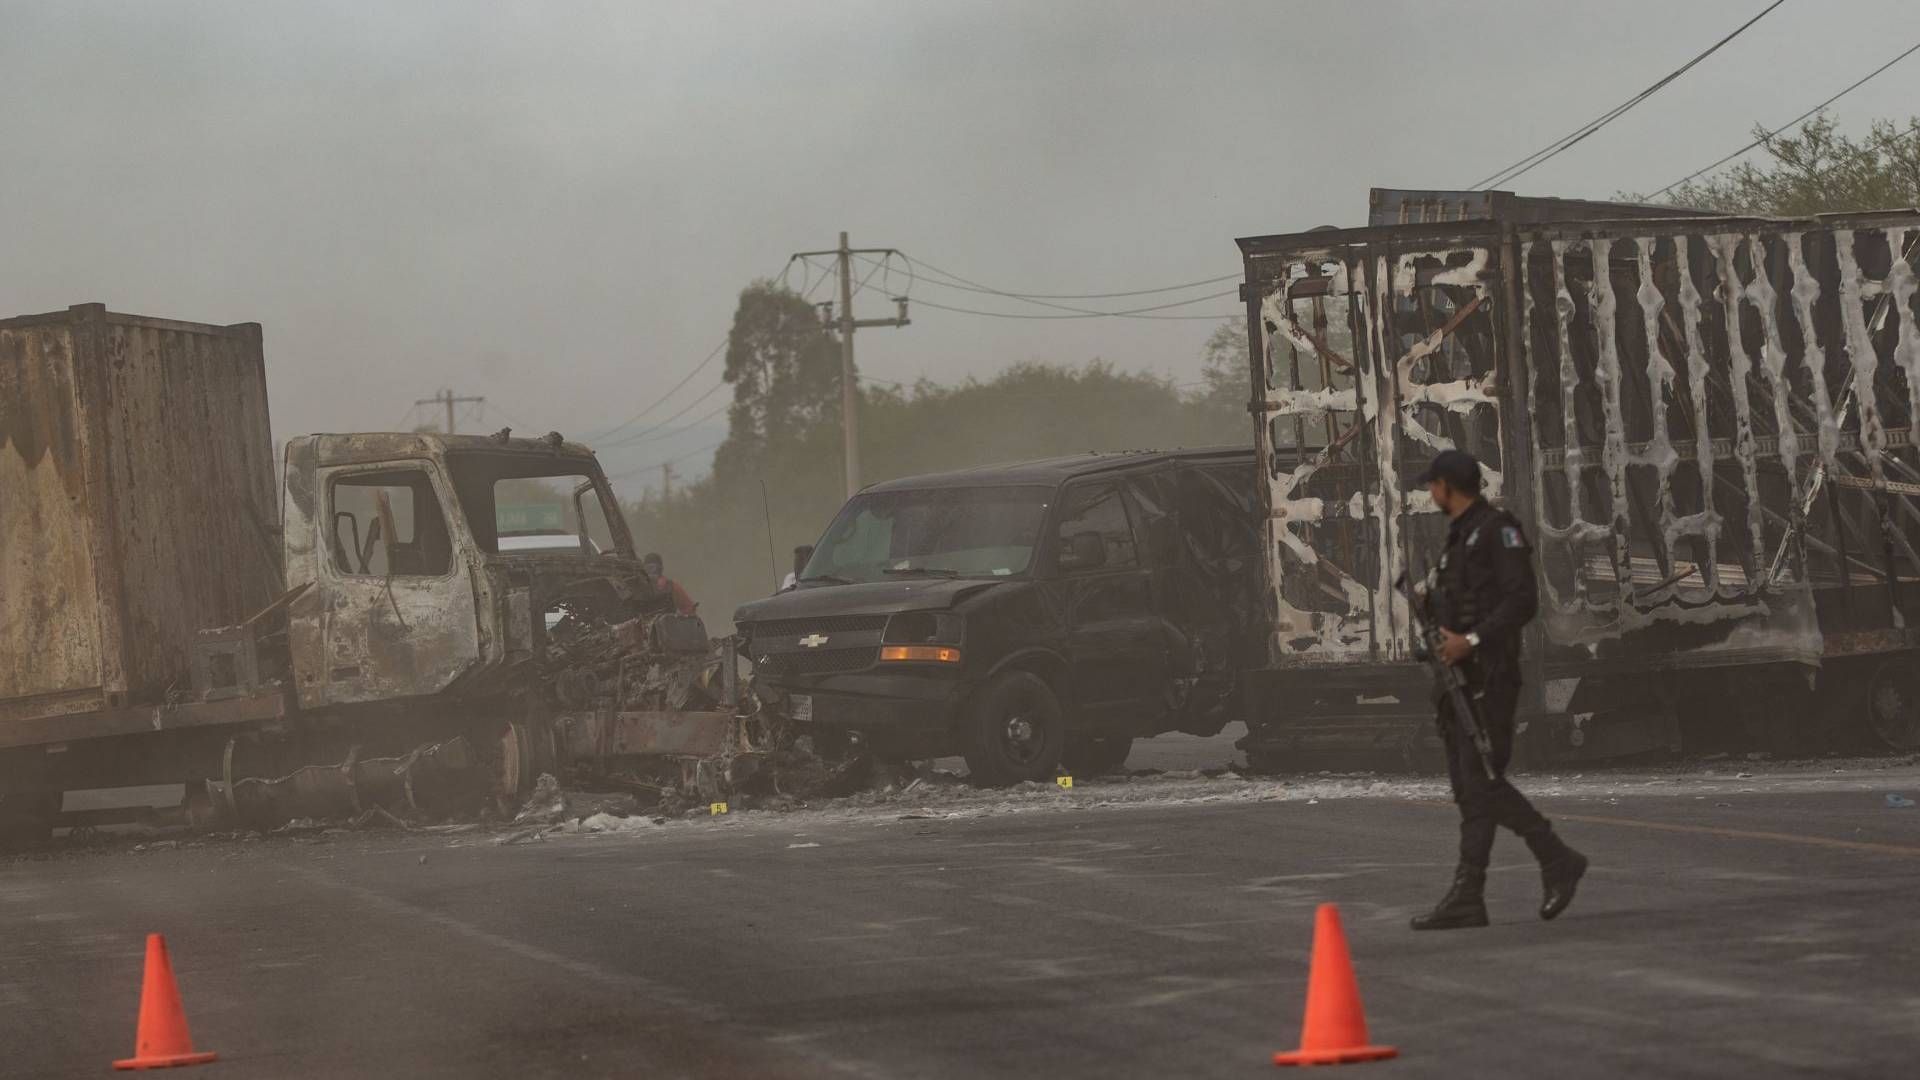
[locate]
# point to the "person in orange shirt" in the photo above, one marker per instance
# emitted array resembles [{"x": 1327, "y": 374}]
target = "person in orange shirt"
[{"x": 657, "y": 572}]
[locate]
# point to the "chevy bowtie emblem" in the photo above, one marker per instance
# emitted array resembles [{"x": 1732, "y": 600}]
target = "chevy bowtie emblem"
[{"x": 813, "y": 641}]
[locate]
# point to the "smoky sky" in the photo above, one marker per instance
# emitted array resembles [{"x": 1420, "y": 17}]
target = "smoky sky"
[{"x": 554, "y": 205}]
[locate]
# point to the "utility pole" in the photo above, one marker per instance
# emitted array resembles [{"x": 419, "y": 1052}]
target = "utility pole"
[
  {"x": 445, "y": 397},
  {"x": 666, "y": 480},
  {"x": 847, "y": 324}
]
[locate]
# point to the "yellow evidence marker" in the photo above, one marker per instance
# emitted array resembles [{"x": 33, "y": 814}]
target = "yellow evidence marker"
[
  {"x": 716, "y": 809},
  {"x": 1064, "y": 781}
]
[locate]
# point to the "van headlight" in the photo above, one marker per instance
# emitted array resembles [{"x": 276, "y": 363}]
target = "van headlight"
[{"x": 923, "y": 628}]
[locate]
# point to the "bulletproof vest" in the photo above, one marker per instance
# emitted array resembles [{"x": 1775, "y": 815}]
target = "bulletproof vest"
[{"x": 1454, "y": 603}]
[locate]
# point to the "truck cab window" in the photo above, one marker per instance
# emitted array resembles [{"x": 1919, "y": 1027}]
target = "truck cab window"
[
  {"x": 420, "y": 544},
  {"x": 515, "y": 506},
  {"x": 1094, "y": 532},
  {"x": 549, "y": 514}
]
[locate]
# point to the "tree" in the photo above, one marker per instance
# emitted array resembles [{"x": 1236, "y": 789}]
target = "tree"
[
  {"x": 1223, "y": 367},
  {"x": 784, "y": 368},
  {"x": 1820, "y": 170}
]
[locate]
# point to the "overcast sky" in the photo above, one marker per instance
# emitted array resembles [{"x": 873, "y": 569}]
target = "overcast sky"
[{"x": 555, "y": 204}]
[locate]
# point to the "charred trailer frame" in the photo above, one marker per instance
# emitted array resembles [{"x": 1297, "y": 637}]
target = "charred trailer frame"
[{"x": 1705, "y": 422}]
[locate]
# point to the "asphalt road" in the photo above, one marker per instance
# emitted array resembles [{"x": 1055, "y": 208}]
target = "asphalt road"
[{"x": 1742, "y": 927}]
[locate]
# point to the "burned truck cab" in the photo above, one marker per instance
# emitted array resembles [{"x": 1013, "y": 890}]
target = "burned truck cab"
[{"x": 416, "y": 584}]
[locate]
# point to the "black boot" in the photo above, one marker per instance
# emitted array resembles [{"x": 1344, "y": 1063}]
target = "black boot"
[
  {"x": 1558, "y": 879},
  {"x": 1561, "y": 868},
  {"x": 1464, "y": 905}
]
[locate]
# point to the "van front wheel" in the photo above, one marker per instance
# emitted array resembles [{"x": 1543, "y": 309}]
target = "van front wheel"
[{"x": 1012, "y": 731}]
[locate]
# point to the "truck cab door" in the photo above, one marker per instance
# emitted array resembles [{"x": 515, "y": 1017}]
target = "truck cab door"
[
  {"x": 396, "y": 614},
  {"x": 1115, "y": 640}
]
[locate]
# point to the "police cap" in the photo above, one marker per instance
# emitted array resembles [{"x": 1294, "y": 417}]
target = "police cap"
[{"x": 1457, "y": 467}]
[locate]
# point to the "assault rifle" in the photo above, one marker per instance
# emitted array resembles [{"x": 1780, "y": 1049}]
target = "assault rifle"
[{"x": 1426, "y": 648}]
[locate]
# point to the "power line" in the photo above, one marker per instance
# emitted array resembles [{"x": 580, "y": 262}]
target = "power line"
[
  {"x": 639, "y": 436},
  {"x": 969, "y": 285},
  {"x": 975, "y": 286},
  {"x": 1134, "y": 313},
  {"x": 601, "y": 437},
  {"x": 662, "y": 399},
  {"x": 1064, "y": 392},
  {"x": 1566, "y": 142},
  {"x": 1795, "y": 122},
  {"x": 635, "y": 440},
  {"x": 516, "y": 422},
  {"x": 624, "y": 473}
]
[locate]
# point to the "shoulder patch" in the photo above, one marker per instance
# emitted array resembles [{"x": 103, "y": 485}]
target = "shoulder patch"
[{"x": 1510, "y": 536}]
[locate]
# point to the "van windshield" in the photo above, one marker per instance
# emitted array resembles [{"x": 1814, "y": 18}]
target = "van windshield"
[{"x": 934, "y": 532}]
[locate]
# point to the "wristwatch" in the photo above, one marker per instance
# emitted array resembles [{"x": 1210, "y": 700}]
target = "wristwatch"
[{"x": 1473, "y": 639}]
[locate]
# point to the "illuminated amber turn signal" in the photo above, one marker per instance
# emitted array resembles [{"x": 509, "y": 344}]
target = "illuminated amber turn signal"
[{"x": 928, "y": 654}]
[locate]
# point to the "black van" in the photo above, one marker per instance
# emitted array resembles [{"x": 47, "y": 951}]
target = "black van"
[{"x": 1025, "y": 616}]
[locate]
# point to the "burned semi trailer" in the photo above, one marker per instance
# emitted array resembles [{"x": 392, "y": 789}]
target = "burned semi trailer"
[
  {"x": 1705, "y": 422},
  {"x": 392, "y": 629}
]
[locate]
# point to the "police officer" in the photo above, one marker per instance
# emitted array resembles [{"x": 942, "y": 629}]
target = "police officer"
[{"x": 1483, "y": 596}]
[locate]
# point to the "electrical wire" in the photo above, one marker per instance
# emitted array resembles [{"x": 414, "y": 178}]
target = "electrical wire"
[
  {"x": 697, "y": 369},
  {"x": 681, "y": 430},
  {"x": 1794, "y": 123},
  {"x": 662, "y": 398},
  {"x": 1566, "y": 142},
  {"x": 518, "y": 424},
  {"x": 968, "y": 285},
  {"x": 624, "y": 473},
  {"x": 640, "y": 436},
  {"x": 977, "y": 287},
  {"x": 1134, "y": 313}
]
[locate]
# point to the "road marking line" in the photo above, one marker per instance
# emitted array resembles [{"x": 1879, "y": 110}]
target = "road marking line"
[{"x": 1871, "y": 846}]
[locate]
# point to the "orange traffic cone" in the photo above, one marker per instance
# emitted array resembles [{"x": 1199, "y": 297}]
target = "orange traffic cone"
[
  {"x": 162, "y": 1040},
  {"x": 1335, "y": 1029}
]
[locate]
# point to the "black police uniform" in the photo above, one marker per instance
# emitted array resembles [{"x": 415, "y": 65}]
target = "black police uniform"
[{"x": 1485, "y": 587}]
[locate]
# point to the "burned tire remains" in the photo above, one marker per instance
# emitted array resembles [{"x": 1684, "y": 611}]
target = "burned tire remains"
[{"x": 1893, "y": 709}]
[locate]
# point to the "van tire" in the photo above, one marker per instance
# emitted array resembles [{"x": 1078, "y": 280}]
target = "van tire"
[
  {"x": 1089, "y": 756},
  {"x": 1012, "y": 731}
]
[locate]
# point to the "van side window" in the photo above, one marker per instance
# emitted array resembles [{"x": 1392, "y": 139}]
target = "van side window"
[
  {"x": 1095, "y": 533},
  {"x": 420, "y": 543}
]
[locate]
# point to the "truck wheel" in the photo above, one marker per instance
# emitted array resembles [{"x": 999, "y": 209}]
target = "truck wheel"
[
  {"x": 1012, "y": 731},
  {"x": 1089, "y": 756}
]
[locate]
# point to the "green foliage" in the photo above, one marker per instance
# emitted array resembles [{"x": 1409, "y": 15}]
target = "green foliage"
[
  {"x": 1223, "y": 366},
  {"x": 1819, "y": 170},
  {"x": 785, "y": 435},
  {"x": 784, "y": 367}
]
